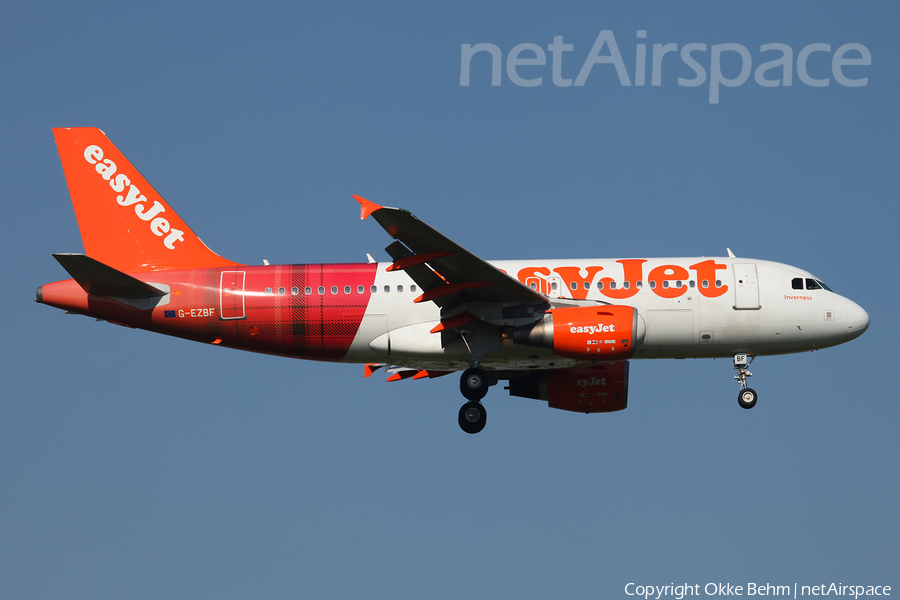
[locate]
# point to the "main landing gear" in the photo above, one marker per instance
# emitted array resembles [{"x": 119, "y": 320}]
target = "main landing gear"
[
  {"x": 474, "y": 385},
  {"x": 472, "y": 417},
  {"x": 747, "y": 396}
]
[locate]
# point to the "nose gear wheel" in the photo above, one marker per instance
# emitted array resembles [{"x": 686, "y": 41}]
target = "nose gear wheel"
[{"x": 746, "y": 397}]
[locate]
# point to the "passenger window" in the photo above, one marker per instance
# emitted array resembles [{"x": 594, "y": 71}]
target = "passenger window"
[
  {"x": 797, "y": 283},
  {"x": 295, "y": 291},
  {"x": 412, "y": 288},
  {"x": 346, "y": 289},
  {"x": 626, "y": 285},
  {"x": 553, "y": 286},
  {"x": 334, "y": 289},
  {"x": 360, "y": 289},
  {"x": 387, "y": 288},
  {"x": 532, "y": 285},
  {"x": 374, "y": 289},
  {"x": 665, "y": 284},
  {"x": 812, "y": 284},
  {"x": 307, "y": 290},
  {"x": 281, "y": 291},
  {"x": 691, "y": 283},
  {"x": 399, "y": 288},
  {"x": 587, "y": 285},
  {"x": 321, "y": 290},
  {"x": 599, "y": 285},
  {"x": 705, "y": 283},
  {"x": 639, "y": 284},
  {"x": 612, "y": 285},
  {"x": 652, "y": 285},
  {"x": 268, "y": 291}
]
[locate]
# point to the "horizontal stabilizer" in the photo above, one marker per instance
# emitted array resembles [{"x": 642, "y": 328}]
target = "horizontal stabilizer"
[{"x": 96, "y": 278}]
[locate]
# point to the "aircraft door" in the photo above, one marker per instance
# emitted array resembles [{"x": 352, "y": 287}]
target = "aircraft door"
[
  {"x": 746, "y": 287},
  {"x": 231, "y": 295}
]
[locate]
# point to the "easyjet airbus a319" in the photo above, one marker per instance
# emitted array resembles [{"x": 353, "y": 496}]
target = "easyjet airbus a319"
[{"x": 556, "y": 330}]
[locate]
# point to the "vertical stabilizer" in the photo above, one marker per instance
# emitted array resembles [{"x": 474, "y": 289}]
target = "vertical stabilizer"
[{"x": 124, "y": 222}]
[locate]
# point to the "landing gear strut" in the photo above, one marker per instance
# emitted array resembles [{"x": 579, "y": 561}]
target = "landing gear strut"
[
  {"x": 747, "y": 396},
  {"x": 474, "y": 385}
]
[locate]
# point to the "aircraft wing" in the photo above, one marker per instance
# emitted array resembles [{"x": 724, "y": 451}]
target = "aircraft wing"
[{"x": 447, "y": 273}]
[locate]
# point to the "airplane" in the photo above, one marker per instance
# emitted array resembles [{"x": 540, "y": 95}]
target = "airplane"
[{"x": 561, "y": 331}]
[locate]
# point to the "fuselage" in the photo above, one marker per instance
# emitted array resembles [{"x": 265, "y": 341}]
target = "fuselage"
[
  {"x": 362, "y": 313},
  {"x": 562, "y": 331}
]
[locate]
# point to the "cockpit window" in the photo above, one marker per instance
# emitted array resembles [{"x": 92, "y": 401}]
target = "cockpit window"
[
  {"x": 815, "y": 284},
  {"x": 811, "y": 284}
]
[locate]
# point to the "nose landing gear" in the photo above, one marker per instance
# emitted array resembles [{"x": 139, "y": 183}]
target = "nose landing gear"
[{"x": 747, "y": 396}]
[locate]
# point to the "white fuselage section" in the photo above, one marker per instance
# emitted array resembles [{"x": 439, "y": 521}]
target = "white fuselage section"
[{"x": 692, "y": 308}]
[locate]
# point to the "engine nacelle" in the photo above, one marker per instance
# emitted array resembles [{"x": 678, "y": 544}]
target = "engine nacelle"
[
  {"x": 598, "y": 333},
  {"x": 594, "y": 389}
]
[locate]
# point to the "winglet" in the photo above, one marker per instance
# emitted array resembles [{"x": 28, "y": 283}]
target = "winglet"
[{"x": 366, "y": 207}]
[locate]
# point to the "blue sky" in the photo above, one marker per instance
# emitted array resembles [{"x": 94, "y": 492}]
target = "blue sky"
[{"x": 134, "y": 465}]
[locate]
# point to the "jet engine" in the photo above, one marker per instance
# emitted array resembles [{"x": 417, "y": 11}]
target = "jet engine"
[
  {"x": 595, "y": 333},
  {"x": 593, "y": 389}
]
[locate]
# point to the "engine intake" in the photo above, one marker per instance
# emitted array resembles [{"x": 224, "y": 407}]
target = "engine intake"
[{"x": 596, "y": 333}]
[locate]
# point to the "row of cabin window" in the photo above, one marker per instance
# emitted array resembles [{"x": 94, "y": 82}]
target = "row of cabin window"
[
  {"x": 360, "y": 289},
  {"x": 553, "y": 286},
  {"x": 626, "y": 285}
]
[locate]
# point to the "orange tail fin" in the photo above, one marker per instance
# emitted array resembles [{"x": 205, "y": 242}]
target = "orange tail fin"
[{"x": 124, "y": 222}]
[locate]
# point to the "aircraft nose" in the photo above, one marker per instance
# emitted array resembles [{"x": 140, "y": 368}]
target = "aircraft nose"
[{"x": 857, "y": 319}]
